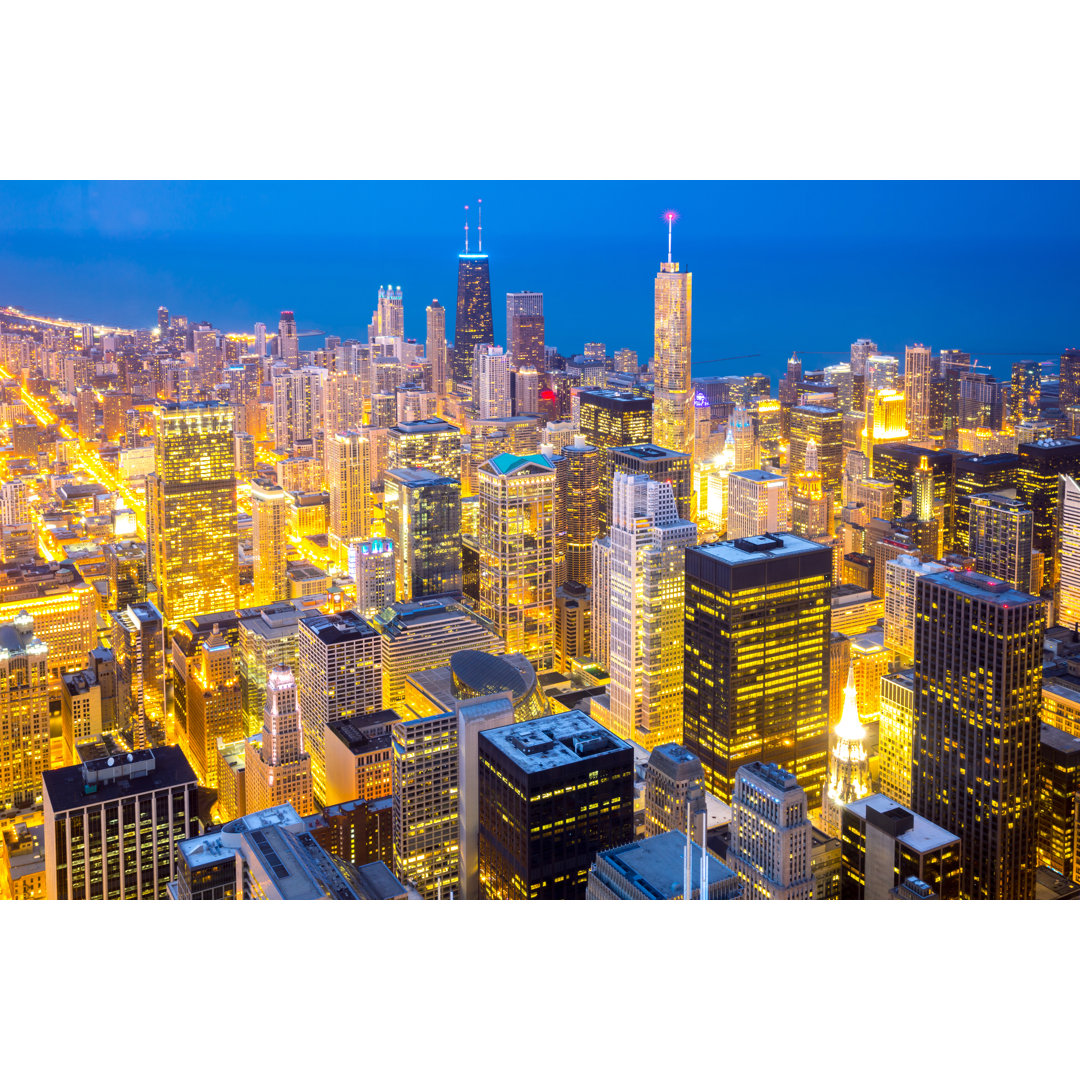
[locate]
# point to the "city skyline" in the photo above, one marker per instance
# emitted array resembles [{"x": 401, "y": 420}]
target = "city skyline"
[{"x": 778, "y": 267}]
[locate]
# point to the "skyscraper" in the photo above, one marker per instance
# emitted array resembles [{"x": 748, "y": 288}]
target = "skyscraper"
[
  {"x": 672, "y": 310},
  {"x": 423, "y": 522},
  {"x": 1067, "y": 589},
  {"x": 1041, "y": 463},
  {"x": 824, "y": 428},
  {"x": 1000, "y": 538},
  {"x": 288, "y": 342},
  {"x": 299, "y": 407},
  {"x": 896, "y": 728},
  {"x": 473, "y": 325},
  {"x": 390, "y": 314},
  {"x": 648, "y": 541},
  {"x": 260, "y": 340},
  {"x": 849, "y": 766},
  {"x": 491, "y": 381},
  {"x": 757, "y": 658},
  {"x": 517, "y": 553},
  {"x": 978, "y": 678},
  {"x": 24, "y": 713},
  {"x": 1025, "y": 388},
  {"x": 137, "y": 643},
  {"x": 918, "y": 371},
  {"x": 269, "y": 541},
  {"x": 757, "y": 503},
  {"x": 213, "y": 705},
  {"x": 371, "y": 567},
  {"x": 581, "y": 500},
  {"x": 278, "y": 770},
  {"x": 193, "y": 512},
  {"x": 348, "y": 468},
  {"x": 436, "y": 348},
  {"x": 525, "y": 328}
]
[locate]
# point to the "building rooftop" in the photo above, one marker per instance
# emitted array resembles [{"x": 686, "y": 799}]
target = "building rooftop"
[
  {"x": 375, "y": 881},
  {"x": 756, "y": 548},
  {"x": 339, "y": 627},
  {"x": 363, "y": 734},
  {"x": 758, "y": 476},
  {"x": 922, "y": 835},
  {"x": 655, "y": 865},
  {"x": 404, "y": 616},
  {"x": 430, "y": 426},
  {"x": 100, "y": 779},
  {"x": 550, "y": 741},
  {"x": 1050, "y": 885},
  {"x": 982, "y": 587},
  {"x": 676, "y": 762},
  {"x": 649, "y": 452},
  {"x": 767, "y": 773},
  {"x": 1059, "y": 740}
]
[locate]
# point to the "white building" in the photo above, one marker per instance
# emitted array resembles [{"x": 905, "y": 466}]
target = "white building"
[
  {"x": 491, "y": 375},
  {"x": 901, "y": 574},
  {"x": 757, "y": 503}
]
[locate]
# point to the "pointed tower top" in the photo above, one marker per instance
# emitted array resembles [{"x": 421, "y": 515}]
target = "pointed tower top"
[{"x": 849, "y": 727}]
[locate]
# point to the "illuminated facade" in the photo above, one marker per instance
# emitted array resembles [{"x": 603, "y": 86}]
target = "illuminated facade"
[
  {"x": 277, "y": 770},
  {"x": 1000, "y": 538},
  {"x": 473, "y": 325},
  {"x": 137, "y": 643},
  {"x": 348, "y": 475},
  {"x": 919, "y": 369},
  {"x": 193, "y": 526},
  {"x": 648, "y": 544},
  {"x": 673, "y": 790},
  {"x": 896, "y": 729},
  {"x": 757, "y": 658},
  {"x": 299, "y": 407},
  {"x": 437, "y": 349},
  {"x": 525, "y": 328},
  {"x": 423, "y": 522},
  {"x": 1040, "y": 466},
  {"x": 849, "y": 766},
  {"x": 24, "y": 712},
  {"x": 657, "y": 463},
  {"x": 359, "y": 761},
  {"x": 977, "y": 725},
  {"x": 672, "y": 311},
  {"x": 885, "y": 421},
  {"x": 517, "y": 553},
  {"x": 757, "y": 503},
  {"x": 581, "y": 502},
  {"x": 1067, "y": 588},
  {"x": 213, "y": 702},
  {"x": 425, "y": 444},
  {"x": 491, "y": 382},
  {"x": 901, "y": 574},
  {"x": 371, "y": 567},
  {"x": 825, "y": 428},
  {"x": 1059, "y": 801},
  {"x": 269, "y": 540}
]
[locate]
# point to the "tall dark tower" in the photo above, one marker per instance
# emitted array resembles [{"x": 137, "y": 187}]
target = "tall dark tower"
[{"x": 473, "y": 325}]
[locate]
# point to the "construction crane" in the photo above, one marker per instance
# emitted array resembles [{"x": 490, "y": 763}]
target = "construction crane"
[{"x": 725, "y": 359}]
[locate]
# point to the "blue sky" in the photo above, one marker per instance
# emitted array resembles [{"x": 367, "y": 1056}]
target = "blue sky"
[{"x": 990, "y": 267}]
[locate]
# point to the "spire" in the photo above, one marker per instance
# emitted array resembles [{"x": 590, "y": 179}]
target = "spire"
[
  {"x": 849, "y": 728},
  {"x": 670, "y": 218},
  {"x": 466, "y": 228},
  {"x": 811, "y": 456},
  {"x": 479, "y": 224}
]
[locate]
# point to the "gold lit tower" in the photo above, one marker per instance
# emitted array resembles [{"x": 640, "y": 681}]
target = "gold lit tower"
[
  {"x": 672, "y": 415},
  {"x": 811, "y": 511},
  {"x": 849, "y": 767},
  {"x": 270, "y": 516},
  {"x": 193, "y": 509},
  {"x": 348, "y": 472}
]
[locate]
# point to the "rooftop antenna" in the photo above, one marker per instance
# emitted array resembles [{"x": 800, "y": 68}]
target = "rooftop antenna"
[
  {"x": 704, "y": 859},
  {"x": 479, "y": 224},
  {"x": 670, "y": 219},
  {"x": 466, "y": 228},
  {"x": 687, "y": 864}
]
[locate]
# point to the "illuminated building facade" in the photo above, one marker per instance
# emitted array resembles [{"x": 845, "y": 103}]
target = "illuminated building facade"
[
  {"x": 491, "y": 382},
  {"x": 612, "y": 418},
  {"x": 896, "y": 731},
  {"x": 437, "y": 349},
  {"x": 978, "y": 677},
  {"x": 674, "y": 789},
  {"x": 1067, "y": 587},
  {"x": 849, "y": 766},
  {"x": 348, "y": 475},
  {"x": 573, "y": 623},
  {"x": 127, "y": 573},
  {"x": 581, "y": 502},
  {"x": 1040, "y": 466},
  {"x": 1059, "y": 801},
  {"x": 371, "y": 567},
  {"x": 757, "y": 658},
  {"x": 657, "y": 463},
  {"x": 825, "y": 428},
  {"x": 883, "y": 843},
  {"x": 1000, "y": 538},
  {"x": 137, "y": 643},
  {"x": 288, "y": 344},
  {"x": 423, "y": 522},
  {"x": 672, "y": 316},
  {"x": 425, "y": 444},
  {"x": 299, "y": 407},
  {"x": 213, "y": 703},
  {"x": 553, "y": 793},
  {"x": 269, "y": 540},
  {"x": 276, "y": 769},
  {"x": 24, "y": 712},
  {"x": 517, "y": 553},
  {"x": 525, "y": 328},
  {"x": 901, "y": 574},
  {"x": 359, "y": 761},
  {"x": 885, "y": 421},
  {"x": 975, "y": 473},
  {"x": 265, "y": 638},
  {"x": 757, "y": 503},
  {"x": 193, "y": 512},
  {"x": 770, "y": 834},
  {"x": 918, "y": 371},
  {"x": 473, "y": 325}
]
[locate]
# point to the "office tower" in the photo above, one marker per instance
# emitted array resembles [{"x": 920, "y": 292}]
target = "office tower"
[
  {"x": 264, "y": 640},
  {"x": 898, "y": 464},
  {"x": 861, "y": 351},
  {"x": 770, "y": 834},
  {"x": 80, "y": 711},
  {"x": 14, "y": 505},
  {"x": 525, "y": 328},
  {"x": 338, "y": 677},
  {"x": 757, "y": 658},
  {"x": 811, "y": 510},
  {"x": 885, "y": 421},
  {"x": 288, "y": 344},
  {"x": 626, "y": 361},
  {"x": 918, "y": 371},
  {"x": 269, "y": 540},
  {"x": 348, "y": 472},
  {"x": 163, "y": 321},
  {"x": 517, "y": 553},
  {"x": 260, "y": 340},
  {"x": 114, "y": 407},
  {"x": 674, "y": 790},
  {"x": 665, "y": 466},
  {"x": 1070, "y": 379},
  {"x": 359, "y": 761},
  {"x": 1025, "y": 389},
  {"x": 672, "y": 309},
  {"x": 437, "y": 348},
  {"x": 896, "y": 729},
  {"x": 978, "y": 677},
  {"x": 24, "y": 712},
  {"x": 841, "y": 376},
  {"x": 883, "y": 844},
  {"x": 882, "y": 373},
  {"x": 901, "y": 575},
  {"x": 473, "y": 325},
  {"x": 553, "y": 793},
  {"x": 1059, "y": 801},
  {"x": 1040, "y": 466},
  {"x": 112, "y": 825},
  {"x": 581, "y": 501},
  {"x": 137, "y": 643},
  {"x": 390, "y": 313},
  {"x": 741, "y": 427},
  {"x": 974, "y": 473},
  {"x": 1000, "y": 538},
  {"x": 213, "y": 705},
  {"x": 573, "y": 623},
  {"x": 277, "y": 770},
  {"x": 1067, "y": 588},
  {"x": 300, "y": 407},
  {"x": 610, "y": 419},
  {"x": 656, "y": 868},
  {"x": 193, "y": 514},
  {"x": 423, "y": 521},
  {"x": 525, "y": 391},
  {"x": 825, "y": 428},
  {"x": 849, "y": 766},
  {"x": 371, "y": 567},
  {"x": 425, "y": 444},
  {"x": 86, "y": 412},
  {"x": 757, "y": 503},
  {"x": 648, "y": 542},
  {"x": 491, "y": 382}
]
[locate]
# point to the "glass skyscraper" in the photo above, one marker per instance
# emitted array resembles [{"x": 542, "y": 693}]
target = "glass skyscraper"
[{"x": 473, "y": 325}]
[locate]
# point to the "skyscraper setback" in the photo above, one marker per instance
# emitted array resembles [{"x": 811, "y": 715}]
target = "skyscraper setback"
[
  {"x": 473, "y": 325},
  {"x": 673, "y": 426},
  {"x": 525, "y": 329}
]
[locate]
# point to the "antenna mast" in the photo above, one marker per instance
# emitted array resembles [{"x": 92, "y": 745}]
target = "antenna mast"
[
  {"x": 479, "y": 224},
  {"x": 670, "y": 217},
  {"x": 466, "y": 228}
]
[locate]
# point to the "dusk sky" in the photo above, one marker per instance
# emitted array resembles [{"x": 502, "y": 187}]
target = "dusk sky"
[{"x": 778, "y": 266}]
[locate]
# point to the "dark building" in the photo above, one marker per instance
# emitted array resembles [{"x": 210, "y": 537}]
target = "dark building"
[
  {"x": 358, "y": 832},
  {"x": 579, "y": 497},
  {"x": 1037, "y": 484},
  {"x": 899, "y": 463},
  {"x": 127, "y": 573},
  {"x": 553, "y": 793},
  {"x": 1070, "y": 379},
  {"x": 1025, "y": 389},
  {"x": 1059, "y": 794},
  {"x": 882, "y": 844},
  {"x": 470, "y": 568},
  {"x": 825, "y": 426},
  {"x": 981, "y": 401},
  {"x": 655, "y": 462},
  {"x": 112, "y": 825},
  {"x": 978, "y": 682},
  {"x": 756, "y": 658},
  {"x": 473, "y": 325},
  {"x": 974, "y": 473},
  {"x": 423, "y": 519}
]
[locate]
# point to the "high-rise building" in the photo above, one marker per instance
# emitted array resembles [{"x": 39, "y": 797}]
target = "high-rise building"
[
  {"x": 390, "y": 313},
  {"x": 213, "y": 706},
  {"x": 269, "y": 540},
  {"x": 265, "y": 639},
  {"x": 896, "y": 730},
  {"x": 849, "y": 766},
  {"x": 525, "y": 384},
  {"x": 1059, "y": 801},
  {"x": 1041, "y": 464},
  {"x": 113, "y": 825},
  {"x": 14, "y": 502},
  {"x": 473, "y": 325},
  {"x": 1067, "y": 588},
  {"x": 348, "y": 469},
  {"x": 824, "y": 427},
  {"x": 610, "y": 419},
  {"x": 901, "y": 574},
  {"x": 757, "y": 658},
  {"x": 626, "y": 361},
  {"x": 525, "y": 328},
  {"x": 861, "y": 351},
  {"x": 1000, "y": 538},
  {"x": 193, "y": 513},
  {"x": 288, "y": 343},
  {"x": 127, "y": 573},
  {"x": 883, "y": 844},
  {"x": 648, "y": 544},
  {"x": 672, "y": 310},
  {"x": 425, "y": 444},
  {"x": 371, "y": 567},
  {"x": 300, "y": 407},
  {"x": 975, "y": 474},
  {"x": 1025, "y": 389},
  {"x": 666, "y": 466},
  {"x": 978, "y": 677},
  {"x": 338, "y": 677},
  {"x": 517, "y": 553},
  {"x": 491, "y": 382},
  {"x": 757, "y": 503},
  {"x": 437, "y": 348},
  {"x": 138, "y": 643},
  {"x": 423, "y": 521},
  {"x": 573, "y": 623},
  {"x": 260, "y": 340},
  {"x": 770, "y": 834},
  {"x": 24, "y": 713},
  {"x": 359, "y": 761},
  {"x": 163, "y": 320},
  {"x": 552, "y": 794},
  {"x": 674, "y": 790},
  {"x": 277, "y": 769},
  {"x": 581, "y": 503},
  {"x": 919, "y": 369}
]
